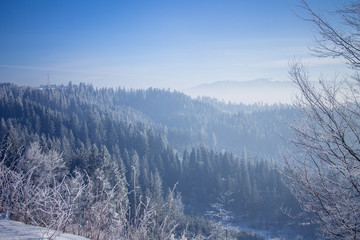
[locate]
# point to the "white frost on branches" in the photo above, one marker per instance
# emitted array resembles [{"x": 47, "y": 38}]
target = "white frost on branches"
[{"x": 325, "y": 172}]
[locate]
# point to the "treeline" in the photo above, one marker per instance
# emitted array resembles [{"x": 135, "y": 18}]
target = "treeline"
[
  {"x": 96, "y": 129},
  {"x": 183, "y": 121}
]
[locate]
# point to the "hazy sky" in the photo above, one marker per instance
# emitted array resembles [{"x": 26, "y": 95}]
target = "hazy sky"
[{"x": 167, "y": 44}]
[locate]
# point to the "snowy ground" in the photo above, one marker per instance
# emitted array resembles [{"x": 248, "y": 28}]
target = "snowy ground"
[{"x": 12, "y": 230}]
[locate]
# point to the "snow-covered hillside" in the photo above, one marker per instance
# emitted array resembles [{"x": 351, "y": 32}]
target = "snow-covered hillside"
[{"x": 11, "y": 230}]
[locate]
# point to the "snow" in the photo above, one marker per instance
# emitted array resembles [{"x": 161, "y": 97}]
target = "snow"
[{"x": 13, "y": 230}]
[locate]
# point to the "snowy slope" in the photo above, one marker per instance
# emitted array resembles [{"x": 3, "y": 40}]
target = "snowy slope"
[{"x": 12, "y": 230}]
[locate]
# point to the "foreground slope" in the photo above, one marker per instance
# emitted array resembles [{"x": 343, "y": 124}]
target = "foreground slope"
[{"x": 17, "y": 230}]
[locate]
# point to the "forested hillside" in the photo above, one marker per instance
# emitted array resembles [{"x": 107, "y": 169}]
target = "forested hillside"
[
  {"x": 187, "y": 122},
  {"x": 156, "y": 145}
]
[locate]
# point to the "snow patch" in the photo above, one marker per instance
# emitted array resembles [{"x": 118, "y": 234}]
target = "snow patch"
[{"x": 10, "y": 230}]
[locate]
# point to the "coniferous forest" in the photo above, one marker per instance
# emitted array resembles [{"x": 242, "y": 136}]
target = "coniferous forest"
[
  {"x": 144, "y": 164},
  {"x": 130, "y": 163}
]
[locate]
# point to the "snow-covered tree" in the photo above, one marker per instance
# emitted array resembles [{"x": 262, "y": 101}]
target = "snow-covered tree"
[
  {"x": 325, "y": 173},
  {"x": 222, "y": 216}
]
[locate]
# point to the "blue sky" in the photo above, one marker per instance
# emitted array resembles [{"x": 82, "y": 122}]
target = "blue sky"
[{"x": 173, "y": 44}]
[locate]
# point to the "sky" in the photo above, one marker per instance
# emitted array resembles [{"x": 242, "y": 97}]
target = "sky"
[{"x": 174, "y": 44}]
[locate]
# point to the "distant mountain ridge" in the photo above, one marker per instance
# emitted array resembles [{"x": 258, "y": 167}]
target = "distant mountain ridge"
[{"x": 263, "y": 90}]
